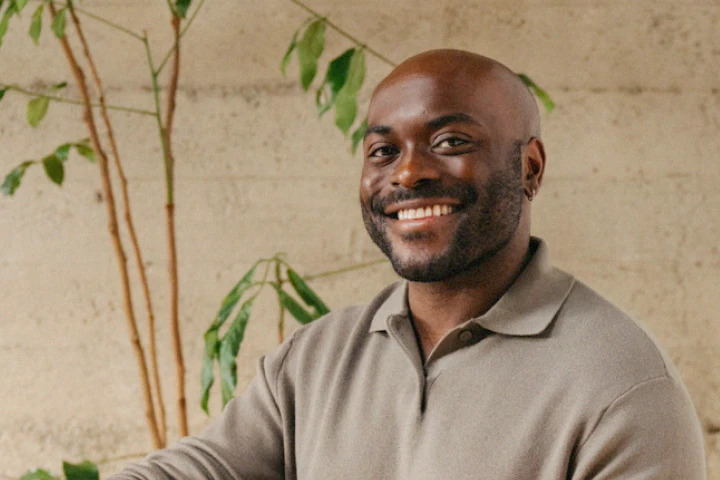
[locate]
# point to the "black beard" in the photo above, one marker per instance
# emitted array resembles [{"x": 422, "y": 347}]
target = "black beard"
[{"x": 485, "y": 225}]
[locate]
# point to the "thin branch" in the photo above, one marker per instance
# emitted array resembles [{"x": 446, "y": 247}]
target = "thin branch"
[
  {"x": 54, "y": 98},
  {"x": 175, "y": 323},
  {"x": 182, "y": 34},
  {"x": 171, "y": 235},
  {"x": 347, "y": 269},
  {"x": 171, "y": 101},
  {"x": 158, "y": 114},
  {"x": 120, "y": 458},
  {"x": 108, "y": 23},
  {"x": 114, "y": 232},
  {"x": 152, "y": 342},
  {"x": 281, "y": 308},
  {"x": 192, "y": 18},
  {"x": 345, "y": 34}
]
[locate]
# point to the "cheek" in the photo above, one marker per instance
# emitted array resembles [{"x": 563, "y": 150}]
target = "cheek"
[
  {"x": 471, "y": 170},
  {"x": 370, "y": 184}
]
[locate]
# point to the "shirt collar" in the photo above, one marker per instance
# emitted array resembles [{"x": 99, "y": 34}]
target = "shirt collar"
[{"x": 526, "y": 309}]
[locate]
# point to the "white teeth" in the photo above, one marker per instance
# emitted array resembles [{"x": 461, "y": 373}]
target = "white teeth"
[{"x": 422, "y": 212}]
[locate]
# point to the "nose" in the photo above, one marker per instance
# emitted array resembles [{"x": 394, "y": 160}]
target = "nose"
[{"x": 413, "y": 168}]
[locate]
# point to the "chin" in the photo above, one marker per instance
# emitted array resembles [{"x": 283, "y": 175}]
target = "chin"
[
  {"x": 418, "y": 265},
  {"x": 423, "y": 268}
]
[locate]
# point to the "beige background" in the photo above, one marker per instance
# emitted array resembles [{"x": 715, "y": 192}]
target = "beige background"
[{"x": 630, "y": 201}]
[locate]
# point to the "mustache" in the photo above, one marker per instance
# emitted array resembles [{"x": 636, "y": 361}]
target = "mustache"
[{"x": 462, "y": 193}]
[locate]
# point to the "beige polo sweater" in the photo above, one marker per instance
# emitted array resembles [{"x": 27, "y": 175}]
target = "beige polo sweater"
[{"x": 552, "y": 383}]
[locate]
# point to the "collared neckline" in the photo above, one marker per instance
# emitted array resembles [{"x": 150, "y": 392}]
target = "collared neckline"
[{"x": 526, "y": 309}]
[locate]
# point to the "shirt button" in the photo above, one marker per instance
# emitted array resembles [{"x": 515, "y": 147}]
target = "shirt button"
[{"x": 466, "y": 336}]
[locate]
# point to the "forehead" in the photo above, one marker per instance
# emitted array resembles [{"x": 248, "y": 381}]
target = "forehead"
[{"x": 421, "y": 98}]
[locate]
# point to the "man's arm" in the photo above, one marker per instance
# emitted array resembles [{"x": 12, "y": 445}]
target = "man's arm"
[
  {"x": 246, "y": 441},
  {"x": 651, "y": 432}
]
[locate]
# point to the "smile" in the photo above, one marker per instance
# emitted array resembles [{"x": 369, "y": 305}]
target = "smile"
[{"x": 424, "y": 212}]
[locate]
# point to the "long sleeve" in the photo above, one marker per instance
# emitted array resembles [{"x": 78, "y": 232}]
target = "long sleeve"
[
  {"x": 245, "y": 442},
  {"x": 651, "y": 432}
]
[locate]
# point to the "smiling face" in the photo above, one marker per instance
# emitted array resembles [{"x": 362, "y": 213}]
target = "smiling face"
[{"x": 442, "y": 184}]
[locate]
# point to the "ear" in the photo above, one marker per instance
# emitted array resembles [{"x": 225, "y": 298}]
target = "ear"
[{"x": 533, "y": 164}]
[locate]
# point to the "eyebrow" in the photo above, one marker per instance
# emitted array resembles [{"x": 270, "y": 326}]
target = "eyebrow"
[
  {"x": 379, "y": 129},
  {"x": 452, "y": 118},
  {"x": 433, "y": 124}
]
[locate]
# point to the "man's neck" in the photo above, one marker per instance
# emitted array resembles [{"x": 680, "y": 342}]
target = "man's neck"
[{"x": 438, "y": 307}]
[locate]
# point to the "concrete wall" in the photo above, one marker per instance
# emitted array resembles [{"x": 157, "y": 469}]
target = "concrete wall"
[{"x": 630, "y": 200}]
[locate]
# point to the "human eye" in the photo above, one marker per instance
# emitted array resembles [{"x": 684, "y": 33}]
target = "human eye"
[
  {"x": 382, "y": 151},
  {"x": 450, "y": 142}
]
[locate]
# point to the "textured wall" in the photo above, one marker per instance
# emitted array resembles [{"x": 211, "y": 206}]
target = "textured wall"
[{"x": 630, "y": 200}]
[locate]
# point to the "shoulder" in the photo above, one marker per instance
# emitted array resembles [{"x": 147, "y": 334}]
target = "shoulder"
[
  {"x": 651, "y": 430},
  {"x": 624, "y": 381},
  {"x": 608, "y": 346},
  {"x": 339, "y": 330}
]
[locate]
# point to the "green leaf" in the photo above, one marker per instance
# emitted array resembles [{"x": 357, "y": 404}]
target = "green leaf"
[
  {"x": 346, "y": 101},
  {"x": 212, "y": 344},
  {"x": 85, "y": 150},
  {"x": 5, "y": 21},
  {"x": 345, "y": 111},
  {"x": 58, "y": 86},
  {"x": 2, "y": 92},
  {"x": 13, "y": 179},
  {"x": 292, "y": 306},
  {"x": 229, "y": 348},
  {"x": 306, "y": 293},
  {"x": 356, "y": 73},
  {"x": 539, "y": 93},
  {"x": 309, "y": 48},
  {"x": 36, "y": 24},
  {"x": 83, "y": 471},
  {"x": 63, "y": 151},
  {"x": 288, "y": 54},
  {"x": 54, "y": 168},
  {"x": 36, "y": 110},
  {"x": 58, "y": 23},
  {"x": 38, "y": 474},
  {"x": 232, "y": 298},
  {"x": 181, "y": 7},
  {"x": 20, "y": 4},
  {"x": 207, "y": 377},
  {"x": 335, "y": 78},
  {"x": 358, "y": 135}
]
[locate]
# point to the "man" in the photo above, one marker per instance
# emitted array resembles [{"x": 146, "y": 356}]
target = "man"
[{"x": 486, "y": 362}]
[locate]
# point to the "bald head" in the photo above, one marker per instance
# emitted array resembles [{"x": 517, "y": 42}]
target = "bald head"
[{"x": 459, "y": 69}]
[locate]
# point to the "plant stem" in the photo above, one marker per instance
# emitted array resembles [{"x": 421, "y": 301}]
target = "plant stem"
[
  {"x": 157, "y": 114},
  {"x": 126, "y": 457},
  {"x": 175, "y": 323},
  {"x": 171, "y": 103},
  {"x": 114, "y": 233},
  {"x": 281, "y": 318},
  {"x": 182, "y": 34},
  {"x": 108, "y": 23},
  {"x": 345, "y": 34},
  {"x": 347, "y": 269},
  {"x": 152, "y": 342},
  {"x": 54, "y": 98},
  {"x": 171, "y": 235}
]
